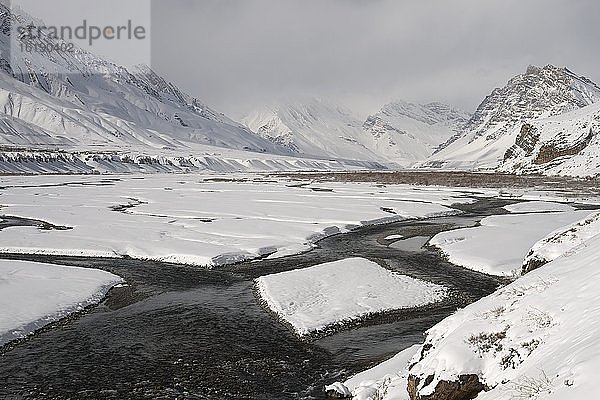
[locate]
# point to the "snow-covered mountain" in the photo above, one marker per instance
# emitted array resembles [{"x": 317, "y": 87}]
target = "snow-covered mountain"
[
  {"x": 400, "y": 132},
  {"x": 537, "y": 94},
  {"x": 76, "y": 112},
  {"x": 412, "y": 132},
  {"x": 76, "y": 100},
  {"x": 312, "y": 127},
  {"x": 567, "y": 144}
]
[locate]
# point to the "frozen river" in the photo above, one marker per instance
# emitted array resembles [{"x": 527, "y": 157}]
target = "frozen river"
[{"x": 187, "y": 332}]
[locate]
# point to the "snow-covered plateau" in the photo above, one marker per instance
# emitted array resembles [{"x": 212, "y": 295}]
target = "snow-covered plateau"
[{"x": 312, "y": 299}]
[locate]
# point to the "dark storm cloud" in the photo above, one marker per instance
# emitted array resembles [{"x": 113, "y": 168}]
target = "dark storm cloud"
[{"x": 235, "y": 54}]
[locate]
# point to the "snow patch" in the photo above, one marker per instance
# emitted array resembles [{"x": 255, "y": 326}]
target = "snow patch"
[
  {"x": 385, "y": 381},
  {"x": 317, "y": 297}
]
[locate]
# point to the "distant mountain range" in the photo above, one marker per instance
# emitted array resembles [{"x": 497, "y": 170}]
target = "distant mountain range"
[
  {"x": 401, "y": 133},
  {"x": 543, "y": 121},
  {"x": 101, "y": 117}
]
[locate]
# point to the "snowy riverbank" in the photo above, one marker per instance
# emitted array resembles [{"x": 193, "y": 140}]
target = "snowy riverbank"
[
  {"x": 535, "y": 338},
  {"x": 33, "y": 295}
]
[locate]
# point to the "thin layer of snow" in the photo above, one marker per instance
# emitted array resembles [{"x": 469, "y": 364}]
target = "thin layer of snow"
[
  {"x": 385, "y": 381},
  {"x": 314, "y": 298},
  {"x": 498, "y": 246},
  {"x": 393, "y": 237},
  {"x": 199, "y": 219},
  {"x": 535, "y": 338},
  {"x": 414, "y": 243},
  {"x": 537, "y": 206},
  {"x": 33, "y": 295}
]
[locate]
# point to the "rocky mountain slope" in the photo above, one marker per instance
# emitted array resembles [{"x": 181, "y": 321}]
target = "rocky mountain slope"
[
  {"x": 537, "y": 94},
  {"x": 400, "y": 132},
  {"x": 566, "y": 144}
]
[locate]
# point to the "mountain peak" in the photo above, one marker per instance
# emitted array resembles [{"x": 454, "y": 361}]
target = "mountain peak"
[
  {"x": 539, "y": 92},
  {"x": 534, "y": 69}
]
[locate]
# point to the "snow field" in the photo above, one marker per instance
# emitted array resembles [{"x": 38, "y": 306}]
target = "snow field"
[{"x": 196, "y": 219}]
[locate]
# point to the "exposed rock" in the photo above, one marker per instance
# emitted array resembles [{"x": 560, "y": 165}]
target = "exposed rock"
[
  {"x": 338, "y": 391},
  {"x": 527, "y": 138},
  {"x": 525, "y": 141},
  {"x": 550, "y": 152},
  {"x": 466, "y": 388},
  {"x": 533, "y": 264}
]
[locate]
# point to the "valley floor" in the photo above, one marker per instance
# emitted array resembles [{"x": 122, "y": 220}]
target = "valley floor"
[{"x": 216, "y": 221}]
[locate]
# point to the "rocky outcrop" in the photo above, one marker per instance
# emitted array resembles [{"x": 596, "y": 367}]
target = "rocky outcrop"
[
  {"x": 550, "y": 152},
  {"x": 338, "y": 391},
  {"x": 467, "y": 387},
  {"x": 526, "y": 140},
  {"x": 533, "y": 264}
]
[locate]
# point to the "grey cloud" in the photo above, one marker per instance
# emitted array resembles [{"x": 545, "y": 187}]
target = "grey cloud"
[{"x": 236, "y": 54}]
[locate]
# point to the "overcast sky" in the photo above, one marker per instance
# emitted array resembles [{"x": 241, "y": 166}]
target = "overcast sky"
[{"x": 238, "y": 54}]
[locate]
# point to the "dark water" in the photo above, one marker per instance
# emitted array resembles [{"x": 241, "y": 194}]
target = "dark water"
[{"x": 180, "y": 332}]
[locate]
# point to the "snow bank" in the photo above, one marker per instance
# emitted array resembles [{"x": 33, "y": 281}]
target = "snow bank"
[
  {"x": 562, "y": 241},
  {"x": 498, "y": 246},
  {"x": 314, "y": 298},
  {"x": 535, "y": 338},
  {"x": 385, "y": 381},
  {"x": 537, "y": 206},
  {"x": 33, "y": 295}
]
